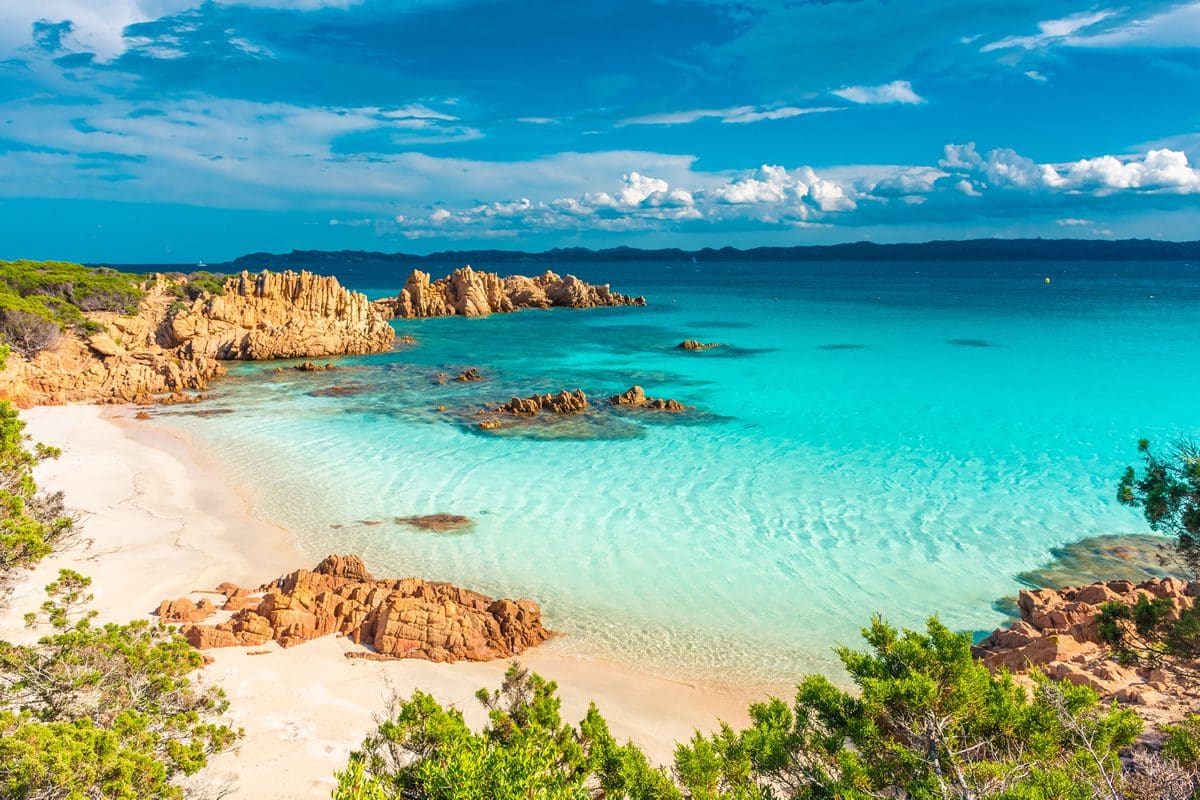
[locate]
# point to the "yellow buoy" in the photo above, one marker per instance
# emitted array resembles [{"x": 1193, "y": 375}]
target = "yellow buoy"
[{"x": 1047, "y": 280}]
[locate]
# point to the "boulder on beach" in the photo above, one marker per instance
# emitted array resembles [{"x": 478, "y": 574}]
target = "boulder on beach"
[{"x": 404, "y": 618}]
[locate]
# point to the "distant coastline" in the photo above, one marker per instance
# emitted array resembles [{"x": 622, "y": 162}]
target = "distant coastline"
[{"x": 946, "y": 250}]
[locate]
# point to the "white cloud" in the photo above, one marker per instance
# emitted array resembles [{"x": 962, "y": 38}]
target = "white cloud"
[
  {"x": 1034, "y": 75},
  {"x": 1073, "y": 222},
  {"x": 97, "y": 26},
  {"x": 1050, "y": 32},
  {"x": 894, "y": 92},
  {"x": 1176, "y": 27},
  {"x": 737, "y": 115},
  {"x": 1166, "y": 170}
]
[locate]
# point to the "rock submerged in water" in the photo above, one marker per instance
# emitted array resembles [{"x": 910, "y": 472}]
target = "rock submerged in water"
[
  {"x": 693, "y": 345},
  {"x": 405, "y": 618},
  {"x": 564, "y": 402},
  {"x": 309, "y": 366},
  {"x": 468, "y": 293},
  {"x": 469, "y": 374},
  {"x": 635, "y": 397},
  {"x": 442, "y": 523}
]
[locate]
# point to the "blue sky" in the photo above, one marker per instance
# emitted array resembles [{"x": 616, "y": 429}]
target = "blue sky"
[{"x": 179, "y": 130}]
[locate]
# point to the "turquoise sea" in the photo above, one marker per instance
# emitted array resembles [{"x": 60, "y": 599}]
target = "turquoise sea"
[{"x": 898, "y": 437}]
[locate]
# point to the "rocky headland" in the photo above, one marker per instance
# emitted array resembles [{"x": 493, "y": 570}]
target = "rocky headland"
[
  {"x": 171, "y": 345},
  {"x": 1058, "y": 634},
  {"x": 396, "y": 619},
  {"x": 468, "y": 293}
]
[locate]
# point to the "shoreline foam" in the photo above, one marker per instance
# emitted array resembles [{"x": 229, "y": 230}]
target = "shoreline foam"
[{"x": 163, "y": 521}]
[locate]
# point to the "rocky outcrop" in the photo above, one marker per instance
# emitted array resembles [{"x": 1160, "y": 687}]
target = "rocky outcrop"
[
  {"x": 692, "y": 344},
  {"x": 406, "y": 618},
  {"x": 169, "y": 347},
  {"x": 564, "y": 402},
  {"x": 468, "y": 293},
  {"x": 1058, "y": 635},
  {"x": 279, "y": 315},
  {"x": 184, "y": 610},
  {"x": 635, "y": 397}
]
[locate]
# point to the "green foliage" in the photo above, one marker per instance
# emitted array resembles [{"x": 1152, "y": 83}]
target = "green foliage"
[
  {"x": 926, "y": 721},
  {"x": 1153, "y": 632},
  {"x": 192, "y": 286},
  {"x": 31, "y": 522},
  {"x": 58, "y": 293},
  {"x": 526, "y": 751},
  {"x": 107, "y": 712},
  {"x": 1168, "y": 492}
]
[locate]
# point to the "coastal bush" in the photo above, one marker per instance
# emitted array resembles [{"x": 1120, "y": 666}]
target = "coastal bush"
[
  {"x": 1167, "y": 490},
  {"x": 39, "y": 299},
  {"x": 107, "y": 712},
  {"x": 1155, "y": 631},
  {"x": 195, "y": 285},
  {"x": 27, "y": 332},
  {"x": 422, "y": 750},
  {"x": 924, "y": 721},
  {"x": 31, "y": 522}
]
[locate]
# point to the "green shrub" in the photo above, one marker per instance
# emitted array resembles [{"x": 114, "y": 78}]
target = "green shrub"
[
  {"x": 193, "y": 286},
  {"x": 58, "y": 293},
  {"x": 107, "y": 712},
  {"x": 31, "y": 522},
  {"x": 925, "y": 721}
]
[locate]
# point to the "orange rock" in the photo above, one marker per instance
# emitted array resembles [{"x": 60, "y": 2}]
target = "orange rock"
[
  {"x": 466, "y": 292},
  {"x": 406, "y": 618},
  {"x": 184, "y": 610}
]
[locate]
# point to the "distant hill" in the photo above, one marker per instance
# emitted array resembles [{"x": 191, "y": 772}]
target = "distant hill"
[{"x": 967, "y": 250}]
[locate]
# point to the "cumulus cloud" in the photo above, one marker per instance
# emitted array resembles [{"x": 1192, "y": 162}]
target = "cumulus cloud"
[
  {"x": 894, "y": 92},
  {"x": 965, "y": 183}
]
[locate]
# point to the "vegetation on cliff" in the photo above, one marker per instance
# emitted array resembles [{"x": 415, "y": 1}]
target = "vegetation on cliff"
[
  {"x": 41, "y": 299},
  {"x": 102, "y": 711},
  {"x": 925, "y": 721}
]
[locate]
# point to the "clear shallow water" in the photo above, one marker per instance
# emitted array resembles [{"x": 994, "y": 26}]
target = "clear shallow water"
[{"x": 904, "y": 438}]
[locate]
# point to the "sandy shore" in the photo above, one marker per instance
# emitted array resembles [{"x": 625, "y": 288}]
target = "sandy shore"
[{"x": 161, "y": 521}]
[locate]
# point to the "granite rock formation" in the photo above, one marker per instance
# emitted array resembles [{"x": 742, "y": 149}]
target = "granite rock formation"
[
  {"x": 635, "y": 397},
  {"x": 279, "y": 315},
  {"x": 405, "y": 618},
  {"x": 693, "y": 345},
  {"x": 1058, "y": 635},
  {"x": 564, "y": 402},
  {"x": 169, "y": 347},
  {"x": 468, "y": 293}
]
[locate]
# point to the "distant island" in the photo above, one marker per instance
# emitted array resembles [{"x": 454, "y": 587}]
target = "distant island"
[{"x": 965, "y": 250}]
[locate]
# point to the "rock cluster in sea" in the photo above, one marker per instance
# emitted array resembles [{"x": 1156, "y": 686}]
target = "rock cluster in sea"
[
  {"x": 1058, "y": 634},
  {"x": 564, "y": 402},
  {"x": 167, "y": 347},
  {"x": 693, "y": 344},
  {"x": 466, "y": 292},
  {"x": 635, "y": 397},
  {"x": 404, "y": 618}
]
